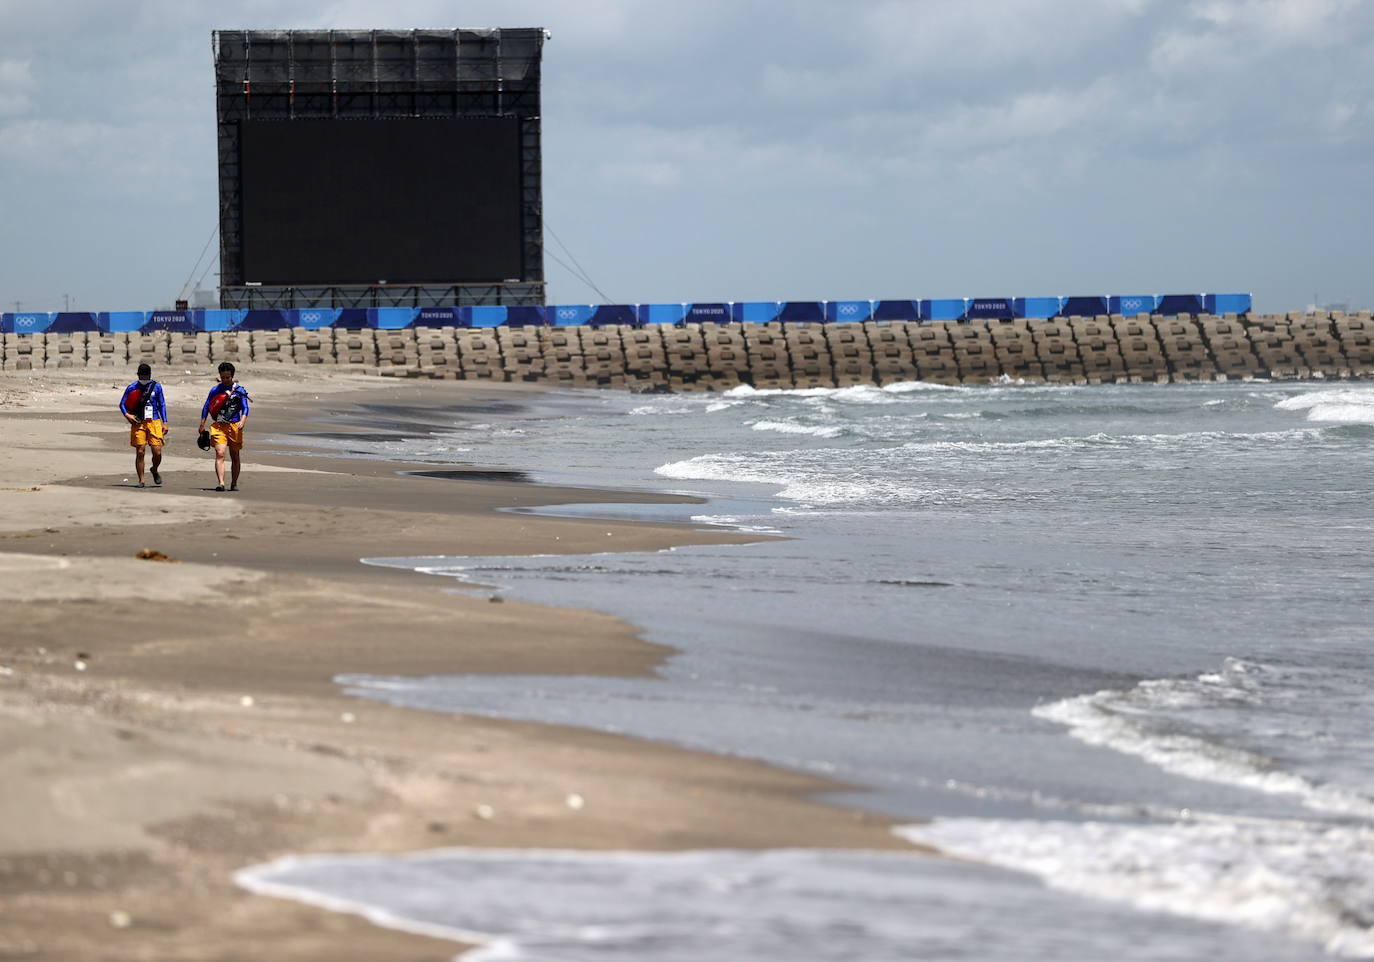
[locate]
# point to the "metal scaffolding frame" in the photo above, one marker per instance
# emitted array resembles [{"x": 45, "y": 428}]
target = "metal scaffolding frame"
[
  {"x": 373, "y": 75},
  {"x": 265, "y": 297}
]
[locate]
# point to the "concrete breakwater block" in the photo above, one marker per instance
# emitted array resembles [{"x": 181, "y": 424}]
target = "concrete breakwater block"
[
  {"x": 312, "y": 346},
  {"x": 718, "y": 356}
]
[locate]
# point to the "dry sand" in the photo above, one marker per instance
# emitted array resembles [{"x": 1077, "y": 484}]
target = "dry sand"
[{"x": 163, "y": 723}]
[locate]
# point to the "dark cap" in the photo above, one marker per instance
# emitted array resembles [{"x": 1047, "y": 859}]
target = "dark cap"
[{"x": 145, "y": 371}]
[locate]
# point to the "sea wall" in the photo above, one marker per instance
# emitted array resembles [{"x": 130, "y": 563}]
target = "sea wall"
[{"x": 717, "y": 357}]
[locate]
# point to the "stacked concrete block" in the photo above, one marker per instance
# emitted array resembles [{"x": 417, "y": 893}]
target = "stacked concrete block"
[
  {"x": 1099, "y": 353},
  {"x": 893, "y": 360},
  {"x": 1014, "y": 349},
  {"x": 522, "y": 353},
  {"x": 397, "y": 355},
  {"x": 684, "y": 349},
  {"x": 437, "y": 351},
  {"x": 24, "y": 352},
  {"x": 1314, "y": 337},
  {"x": 853, "y": 348},
  {"x": 932, "y": 349},
  {"x": 479, "y": 354},
  {"x": 149, "y": 347},
  {"x": 1271, "y": 336},
  {"x": 355, "y": 348},
  {"x": 312, "y": 346},
  {"x": 563, "y": 360},
  {"x": 65, "y": 350},
  {"x": 269, "y": 347},
  {"x": 727, "y": 358},
  {"x": 188, "y": 351},
  {"x": 236, "y": 348},
  {"x": 1232, "y": 354},
  {"x": 974, "y": 352},
  {"x": 770, "y": 363},
  {"x": 646, "y": 365},
  {"x": 603, "y": 355},
  {"x": 107, "y": 350},
  {"x": 809, "y": 353},
  {"x": 1355, "y": 332},
  {"x": 1140, "y": 348},
  {"x": 1057, "y": 350},
  {"x": 1180, "y": 338}
]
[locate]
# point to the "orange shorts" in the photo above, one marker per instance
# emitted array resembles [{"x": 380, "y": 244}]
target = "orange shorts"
[
  {"x": 225, "y": 433},
  {"x": 147, "y": 432}
]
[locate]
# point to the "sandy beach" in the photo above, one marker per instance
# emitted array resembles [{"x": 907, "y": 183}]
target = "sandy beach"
[{"x": 163, "y": 723}]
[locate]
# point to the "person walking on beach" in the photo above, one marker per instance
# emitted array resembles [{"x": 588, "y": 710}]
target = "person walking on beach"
[
  {"x": 145, "y": 408},
  {"x": 226, "y": 406}
]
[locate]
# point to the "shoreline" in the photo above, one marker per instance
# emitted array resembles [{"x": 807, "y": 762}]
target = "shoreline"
[{"x": 204, "y": 733}]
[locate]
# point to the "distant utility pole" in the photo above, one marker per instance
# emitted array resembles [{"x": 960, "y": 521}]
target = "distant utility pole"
[
  {"x": 66, "y": 302},
  {"x": 18, "y": 306}
]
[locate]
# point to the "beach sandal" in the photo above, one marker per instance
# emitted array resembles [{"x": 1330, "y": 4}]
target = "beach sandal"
[
  {"x": 233, "y": 487},
  {"x": 157, "y": 478},
  {"x": 140, "y": 485},
  {"x": 219, "y": 487}
]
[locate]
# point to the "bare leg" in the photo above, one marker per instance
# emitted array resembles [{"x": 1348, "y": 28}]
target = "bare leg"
[
  {"x": 235, "y": 464},
  {"x": 138, "y": 460},
  {"x": 219, "y": 461},
  {"x": 157, "y": 456}
]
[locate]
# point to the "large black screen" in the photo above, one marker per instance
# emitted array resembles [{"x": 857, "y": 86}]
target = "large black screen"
[{"x": 361, "y": 201}]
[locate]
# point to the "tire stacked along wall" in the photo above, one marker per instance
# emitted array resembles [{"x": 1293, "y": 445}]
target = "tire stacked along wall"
[{"x": 721, "y": 356}]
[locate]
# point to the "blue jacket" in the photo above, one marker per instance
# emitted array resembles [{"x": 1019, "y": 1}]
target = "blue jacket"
[
  {"x": 155, "y": 398},
  {"x": 234, "y": 408}
]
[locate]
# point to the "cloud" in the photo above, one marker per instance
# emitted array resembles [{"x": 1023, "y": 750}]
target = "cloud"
[{"x": 16, "y": 87}]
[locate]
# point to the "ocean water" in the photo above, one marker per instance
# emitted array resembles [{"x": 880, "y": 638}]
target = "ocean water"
[{"x": 1107, "y": 645}]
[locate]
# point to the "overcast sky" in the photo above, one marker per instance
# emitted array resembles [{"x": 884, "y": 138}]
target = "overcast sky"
[{"x": 771, "y": 149}]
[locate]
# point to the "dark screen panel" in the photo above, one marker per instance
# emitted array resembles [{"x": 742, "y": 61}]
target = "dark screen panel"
[{"x": 361, "y": 201}]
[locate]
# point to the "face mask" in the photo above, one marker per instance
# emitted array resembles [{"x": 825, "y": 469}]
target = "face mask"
[{"x": 144, "y": 383}]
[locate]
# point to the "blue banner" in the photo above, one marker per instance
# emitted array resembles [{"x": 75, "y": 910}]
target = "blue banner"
[
  {"x": 25, "y": 323},
  {"x": 1131, "y": 304},
  {"x": 755, "y": 312},
  {"x": 991, "y": 308},
  {"x": 115, "y": 322},
  {"x": 256, "y": 320},
  {"x": 527, "y": 315},
  {"x": 73, "y": 322},
  {"x": 1170, "y": 304},
  {"x": 663, "y": 313},
  {"x": 390, "y": 318},
  {"x": 216, "y": 320},
  {"x": 177, "y": 321},
  {"x": 849, "y": 312},
  {"x": 803, "y": 312},
  {"x": 942, "y": 309},
  {"x": 1036, "y": 307},
  {"x": 1085, "y": 306},
  {"x": 1226, "y": 303},
  {"x": 438, "y": 317},
  {"x": 570, "y": 315},
  {"x": 897, "y": 311},
  {"x": 702, "y": 313},
  {"x": 313, "y": 318},
  {"x": 484, "y": 315},
  {"x": 625, "y": 314}
]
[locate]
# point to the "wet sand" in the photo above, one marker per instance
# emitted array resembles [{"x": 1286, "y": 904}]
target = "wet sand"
[{"x": 163, "y": 723}]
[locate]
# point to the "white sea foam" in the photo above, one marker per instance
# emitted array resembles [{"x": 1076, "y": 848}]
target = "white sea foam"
[
  {"x": 1341, "y": 406},
  {"x": 1189, "y": 727},
  {"x": 1309, "y": 881},
  {"x": 799, "y": 480},
  {"x": 791, "y": 427},
  {"x": 803, "y": 906}
]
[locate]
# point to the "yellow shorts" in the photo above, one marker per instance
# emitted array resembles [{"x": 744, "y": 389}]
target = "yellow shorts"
[
  {"x": 224, "y": 433},
  {"x": 147, "y": 432}
]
